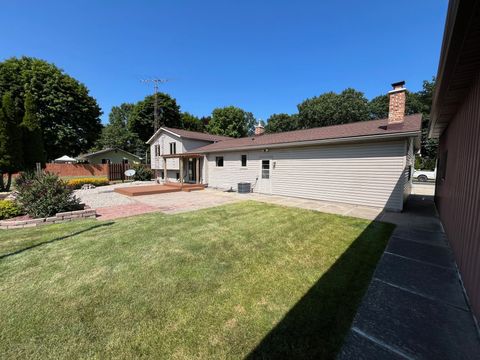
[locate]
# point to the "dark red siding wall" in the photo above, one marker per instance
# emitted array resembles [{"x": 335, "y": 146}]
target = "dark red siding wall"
[{"x": 458, "y": 195}]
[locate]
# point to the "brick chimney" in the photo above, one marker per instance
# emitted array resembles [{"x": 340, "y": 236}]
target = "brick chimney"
[
  {"x": 396, "y": 107},
  {"x": 259, "y": 129}
]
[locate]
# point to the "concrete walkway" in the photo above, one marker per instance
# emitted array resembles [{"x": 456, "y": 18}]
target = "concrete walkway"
[
  {"x": 112, "y": 205},
  {"x": 364, "y": 212},
  {"x": 415, "y": 306}
]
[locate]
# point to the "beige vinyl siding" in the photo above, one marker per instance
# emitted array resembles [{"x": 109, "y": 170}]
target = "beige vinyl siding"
[
  {"x": 360, "y": 173},
  {"x": 182, "y": 145},
  {"x": 164, "y": 141},
  {"x": 232, "y": 172},
  {"x": 189, "y": 145}
]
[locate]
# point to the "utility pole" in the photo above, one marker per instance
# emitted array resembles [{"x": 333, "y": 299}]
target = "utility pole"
[{"x": 156, "y": 82}]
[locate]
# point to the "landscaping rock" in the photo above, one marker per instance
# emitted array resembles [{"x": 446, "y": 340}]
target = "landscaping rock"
[
  {"x": 87, "y": 187},
  {"x": 12, "y": 196}
]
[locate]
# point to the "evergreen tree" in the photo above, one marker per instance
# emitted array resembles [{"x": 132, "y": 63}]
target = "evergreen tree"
[
  {"x": 11, "y": 152},
  {"x": 33, "y": 149}
]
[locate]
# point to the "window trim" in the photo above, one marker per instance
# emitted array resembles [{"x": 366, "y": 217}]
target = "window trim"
[
  {"x": 217, "y": 161},
  {"x": 265, "y": 170}
]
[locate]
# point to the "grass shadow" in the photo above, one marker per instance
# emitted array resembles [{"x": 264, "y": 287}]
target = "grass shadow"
[
  {"x": 54, "y": 240},
  {"x": 318, "y": 323}
]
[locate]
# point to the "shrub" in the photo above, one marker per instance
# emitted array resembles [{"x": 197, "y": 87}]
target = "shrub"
[
  {"x": 78, "y": 183},
  {"x": 425, "y": 163},
  {"x": 42, "y": 195},
  {"x": 9, "y": 209},
  {"x": 142, "y": 173}
]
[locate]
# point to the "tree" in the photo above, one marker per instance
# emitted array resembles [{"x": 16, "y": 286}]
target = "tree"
[
  {"x": 429, "y": 146},
  {"x": 69, "y": 117},
  {"x": 117, "y": 132},
  {"x": 378, "y": 106},
  {"x": 141, "y": 121},
  {"x": 333, "y": 109},
  {"x": 11, "y": 151},
  {"x": 192, "y": 123},
  {"x": 231, "y": 121},
  {"x": 281, "y": 122},
  {"x": 32, "y": 135}
]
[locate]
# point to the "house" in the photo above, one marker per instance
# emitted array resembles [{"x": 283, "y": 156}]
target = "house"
[
  {"x": 455, "y": 120},
  {"x": 110, "y": 156},
  {"x": 364, "y": 163},
  {"x": 167, "y": 146}
]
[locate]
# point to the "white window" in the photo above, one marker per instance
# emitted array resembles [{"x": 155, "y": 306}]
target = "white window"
[
  {"x": 173, "y": 148},
  {"x": 219, "y": 161}
]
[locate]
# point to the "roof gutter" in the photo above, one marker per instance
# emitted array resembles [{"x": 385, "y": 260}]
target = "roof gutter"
[{"x": 316, "y": 142}]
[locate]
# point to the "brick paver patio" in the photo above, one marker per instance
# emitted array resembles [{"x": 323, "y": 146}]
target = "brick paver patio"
[{"x": 120, "y": 211}]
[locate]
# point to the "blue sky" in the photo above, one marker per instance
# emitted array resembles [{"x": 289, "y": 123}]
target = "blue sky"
[{"x": 263, "y": 56}]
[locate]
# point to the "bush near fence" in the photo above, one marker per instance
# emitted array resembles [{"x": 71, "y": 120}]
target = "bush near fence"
[{"x": 78, "y": 183}]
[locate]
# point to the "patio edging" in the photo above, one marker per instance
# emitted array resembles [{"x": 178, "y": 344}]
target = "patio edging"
[{"x": 58, "y": 218}]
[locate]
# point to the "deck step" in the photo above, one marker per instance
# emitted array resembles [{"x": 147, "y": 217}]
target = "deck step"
[{"x": 157, "y": 189}]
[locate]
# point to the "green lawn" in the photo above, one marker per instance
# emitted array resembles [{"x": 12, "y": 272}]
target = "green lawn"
[{"x": 247, "y": 280}]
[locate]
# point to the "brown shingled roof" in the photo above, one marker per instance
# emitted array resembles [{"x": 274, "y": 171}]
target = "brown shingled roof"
[
  {"x": 412, "y": 123},
  {"x": 197, "y": 135},
  {"x": 192, "y": 135}
]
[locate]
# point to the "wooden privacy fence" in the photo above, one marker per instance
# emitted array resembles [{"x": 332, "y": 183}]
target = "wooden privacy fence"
[
  {"x": 78, "y": 170},
  {"x": 111, "y": 171},
  {"x": 117, "y": 171}
]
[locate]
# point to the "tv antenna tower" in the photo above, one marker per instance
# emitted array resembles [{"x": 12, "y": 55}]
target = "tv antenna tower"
[{"x": 156, "y": 82}]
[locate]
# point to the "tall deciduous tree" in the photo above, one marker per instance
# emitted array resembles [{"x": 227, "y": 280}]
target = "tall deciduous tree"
[
  {"x": 378, "y": 106},
  {"x": 429, "y": 146},
  {"x": 11, "y": 151},
  {"x": 333, "y": 109},
  {"x": 117, "y": 132},
  {"x": 231, "y": 121},
  {"x": 282, "y": 122},
  {"x": 192, "y": 123},
  {"x": 141, "y": 122},
  {"x": 32, "y": 134},
  {"x": 68, "y": 115}
]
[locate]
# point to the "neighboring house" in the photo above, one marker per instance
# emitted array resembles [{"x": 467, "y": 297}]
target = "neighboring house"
[
  {"x": 167, "y": 146},
  {"x": 455, "y": 120},
  {"x": 365, "y": 163},
  {"x": 110, "y": 156}
]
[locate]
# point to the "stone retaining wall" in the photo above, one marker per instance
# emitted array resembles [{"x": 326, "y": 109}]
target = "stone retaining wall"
[{"x": 58, "y": 218}]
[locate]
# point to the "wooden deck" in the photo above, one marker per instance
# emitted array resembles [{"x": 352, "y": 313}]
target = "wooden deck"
[{"x": 158, "y": 189}]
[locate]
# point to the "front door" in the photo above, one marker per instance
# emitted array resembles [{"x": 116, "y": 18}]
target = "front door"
[
  {"x": 264, "y": 180},
  {"x": 192, "y": 170}
]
